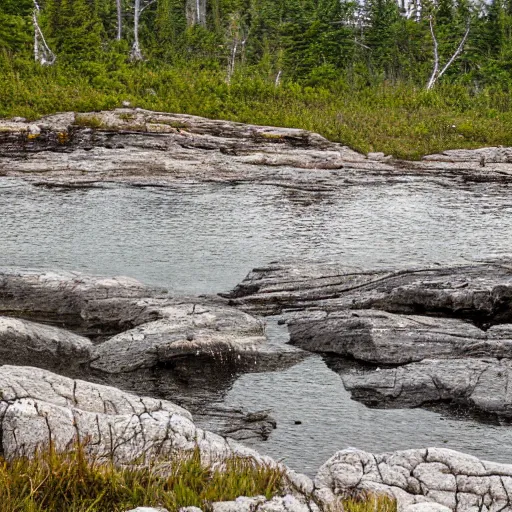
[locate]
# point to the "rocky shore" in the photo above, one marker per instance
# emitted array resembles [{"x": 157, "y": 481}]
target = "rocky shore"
[
  {"x": 131, "y": 367},
  {"x": 145, "y": 148}
]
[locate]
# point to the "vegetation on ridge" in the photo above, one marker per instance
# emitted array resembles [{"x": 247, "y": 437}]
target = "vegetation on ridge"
[
  {"x": 355, "y": 72},
  {"x": 73, "y": 481}
]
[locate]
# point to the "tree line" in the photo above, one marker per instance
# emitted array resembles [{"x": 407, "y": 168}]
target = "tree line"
[{"x": 315, "y": 42}]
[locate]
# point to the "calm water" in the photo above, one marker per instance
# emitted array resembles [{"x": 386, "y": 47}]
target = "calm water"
[{"x": 204, "y": 239}]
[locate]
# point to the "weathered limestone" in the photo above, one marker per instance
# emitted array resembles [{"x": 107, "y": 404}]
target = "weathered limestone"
[
  {"x": 37, "y": 405},
  {"x": 26, "y": 343},
  {"x": 287, "y": 503},
  {"x": 86, "y": 304},
  {"x": 141, "y": 147},
  {"x": 187, "y": 330},
  {"x": 480, "y": 384},
  {"x": 385, "y": 338},
  {"x": 481, "y": 291},
  {"x": 460, "y": 482}
]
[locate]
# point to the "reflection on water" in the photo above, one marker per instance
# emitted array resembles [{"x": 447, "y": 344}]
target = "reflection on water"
[{"x": 204, "y": 239}]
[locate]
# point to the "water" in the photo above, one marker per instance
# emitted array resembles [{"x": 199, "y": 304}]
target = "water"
[{"x": 205, "y": 238}]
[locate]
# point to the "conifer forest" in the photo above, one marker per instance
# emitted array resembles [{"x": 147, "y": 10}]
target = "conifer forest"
[{"x": 404, "y": 77}]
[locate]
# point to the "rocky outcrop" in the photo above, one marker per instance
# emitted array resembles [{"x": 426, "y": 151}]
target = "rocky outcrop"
[
  {"x": 26, "y": 343},
  {"x": 460, "y": 482},
  {"x": 141, "y": 147},
  {"x": 478, "y": 384},
  {"x": 385, "y": 338},
  {"x": 189, "y": 331},
  {"x": 89, "y": 305},
  {"x": 37, "y": 406},
  {"x": 188, "y": 349},
  {"x": 481, "y": 292}
]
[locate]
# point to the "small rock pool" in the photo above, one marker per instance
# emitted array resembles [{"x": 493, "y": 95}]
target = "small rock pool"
[{"x": 197, "y": 239}]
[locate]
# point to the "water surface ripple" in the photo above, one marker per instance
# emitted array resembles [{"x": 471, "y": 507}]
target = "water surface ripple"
[{"x": 205, "y": 238}]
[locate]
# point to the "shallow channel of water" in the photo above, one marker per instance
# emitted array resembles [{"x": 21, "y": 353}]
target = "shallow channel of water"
[{"x": 205, "y": 238}]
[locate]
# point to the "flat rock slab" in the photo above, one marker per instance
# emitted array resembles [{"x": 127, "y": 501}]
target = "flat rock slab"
[
  {"x": 90, "y": 305},
  {"x": 142, "y": 147},
  {"x": 160, "y": 342},
  {"x": 478, "y": 384},
  {"x": 385, "y": 338},
  {"x": 37, "y": 405},
  {"x": 26, "y": 343},
  {"x": 481, "y": 292},
  {"x": 460, "y": 482}
]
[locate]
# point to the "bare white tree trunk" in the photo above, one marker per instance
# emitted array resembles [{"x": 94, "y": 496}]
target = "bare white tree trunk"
[
  {"x": 136, "y": 54},
  {"x": 436, "y": 74},
  {"x": 196, "y": 12},
  {"x": 119, "y": 20},
  {"x": 138, "y": 9},
  {"x": 42, "y": 52},
  {"x": 278, "y": 79}
]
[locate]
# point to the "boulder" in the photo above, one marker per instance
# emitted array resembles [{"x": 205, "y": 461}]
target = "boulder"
[
  {"x": 385, "y": 338},
  {"x": 37, "y": 406},
  {"x": 478, "y": 384},
  {"x": 459, "y": 482},
  {"x": 287, "y": 503},
  {"x": 86, "y": 304},
  {"x": 186, "y": 330},
  {"x": 26, "y": 343},
  {"x": 481, "y": 292}
]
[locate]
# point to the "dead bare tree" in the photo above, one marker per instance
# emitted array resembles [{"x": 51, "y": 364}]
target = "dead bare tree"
[
  {"x": 238, "y": 41},
  {"x": 139, "y": 6},
  {"x": 436, "y": 73},
  {"x": 196, "y": 12},
  {"x": 42, "y": 52},
  {"x": 119, "y": 20}
]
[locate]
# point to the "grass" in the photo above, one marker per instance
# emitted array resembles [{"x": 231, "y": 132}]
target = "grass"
[
  {"x": 72, "y": 481},
  {"x": 398, "y": 119}
]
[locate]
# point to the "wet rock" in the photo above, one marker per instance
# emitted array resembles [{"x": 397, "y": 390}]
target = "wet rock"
[
  {"x": 89, "y": 305},
  {"x": 385, "y": 338},
  {"x": 187, "y": 330},
  {"x": 478, "y": 384},
  {"x": 26, "y": 343},
  {"x": 481, "y": 292},
  {"x": 460, "y": 482},
  {"x": 37, "y": 405}
]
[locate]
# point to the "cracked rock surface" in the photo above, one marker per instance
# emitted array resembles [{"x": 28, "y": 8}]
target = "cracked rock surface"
[
  {"x": 385, "y": 338},
  {"x": 479, "y": 384},
  {"x": 37, "y": 405},
  {"x": 141, "y": 147},
  {"x": 460, "y": 482},
  {"x": 480, "y": 291},
  {"x": 189, "y": 349}
]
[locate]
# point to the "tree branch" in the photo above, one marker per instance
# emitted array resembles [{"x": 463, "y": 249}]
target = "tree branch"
[
  {"x": 433, "y": 77},
  {"x": 458, "y": 51}
]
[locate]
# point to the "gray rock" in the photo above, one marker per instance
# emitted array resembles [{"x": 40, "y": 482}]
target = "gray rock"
[
  {"x": 141, "y": 147},
  {"x": 286, "y": 503},
  {"x": 37, "y": 406},
  {"x": 385, "y": 338},
  {"x": 27, "y": 343},
  {"x": 89, "y": 305},
  {"x": 481, "y": 292},
  {"x": 427, "y": 507},
  {"x": 460, "y": 482},
  {"x": 186, "y": 330},
  {"x": 151, "y": 509},
  {"x": 480, "y": 384}
]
